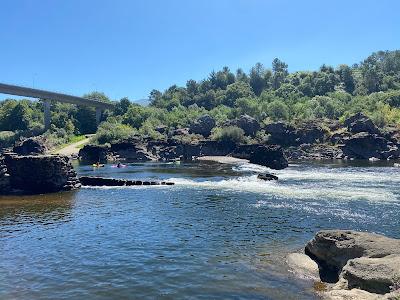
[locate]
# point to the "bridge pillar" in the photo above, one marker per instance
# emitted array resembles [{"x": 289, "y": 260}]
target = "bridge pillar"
[
  {"x": 47, "y": 114},
  {"x": 98, "y": 115}
]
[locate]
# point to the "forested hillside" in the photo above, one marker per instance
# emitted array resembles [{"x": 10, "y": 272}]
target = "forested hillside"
[{"x": 267, "y": 94}]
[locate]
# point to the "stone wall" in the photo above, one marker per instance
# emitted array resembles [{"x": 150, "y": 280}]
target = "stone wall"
[{"x": 40, "y": 174}]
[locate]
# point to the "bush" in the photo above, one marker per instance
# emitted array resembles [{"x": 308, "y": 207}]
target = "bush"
[
  {"x": 229, "y": 134},
  {"x": 109, "y": 132}
]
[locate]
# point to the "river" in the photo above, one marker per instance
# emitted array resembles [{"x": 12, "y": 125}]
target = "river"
[{"x": 219, "y": 233}]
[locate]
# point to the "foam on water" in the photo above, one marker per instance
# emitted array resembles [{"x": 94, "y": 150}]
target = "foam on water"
[{"x": 281, "y": 189}]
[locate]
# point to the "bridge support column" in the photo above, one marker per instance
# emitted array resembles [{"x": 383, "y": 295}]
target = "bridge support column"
[
  {"x": 98, "y": 115},
  {"x": 47, "y": 114}
]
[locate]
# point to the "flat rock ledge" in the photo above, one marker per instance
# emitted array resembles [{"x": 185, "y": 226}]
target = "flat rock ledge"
[
  {"x": 100, "y": 181},
  {"x": 351, "y": 265}
]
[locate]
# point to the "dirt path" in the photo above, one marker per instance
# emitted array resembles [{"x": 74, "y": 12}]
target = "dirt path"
[{"x": 72, "y": 149}]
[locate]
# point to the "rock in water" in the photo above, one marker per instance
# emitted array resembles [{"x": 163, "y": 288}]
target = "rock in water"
[
  {"x": 41, "y": 174},
  {"x": 94, "y": 153},
  {"x": 267, "y": 177},
  {"x": 360, "y": 260}
]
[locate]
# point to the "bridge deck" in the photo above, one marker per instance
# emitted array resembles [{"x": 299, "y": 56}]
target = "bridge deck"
[{"x": 46, "y": 95}]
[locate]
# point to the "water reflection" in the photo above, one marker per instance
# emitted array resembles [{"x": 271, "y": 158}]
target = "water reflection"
[{"x": 18, "y": 213}]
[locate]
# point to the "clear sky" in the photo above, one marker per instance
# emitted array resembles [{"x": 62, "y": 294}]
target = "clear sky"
[{"x": 128, "y": 47}]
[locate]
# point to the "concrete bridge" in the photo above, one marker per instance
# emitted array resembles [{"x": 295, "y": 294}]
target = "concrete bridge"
[{"x": 47, "y": 97}]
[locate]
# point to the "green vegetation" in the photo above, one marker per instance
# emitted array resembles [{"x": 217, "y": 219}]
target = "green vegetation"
[
  {"x": 372, "y": 87},
  {"x": 230, "y": 134}
]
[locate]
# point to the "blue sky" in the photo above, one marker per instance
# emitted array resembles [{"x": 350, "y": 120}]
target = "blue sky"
[{"x": 127, "y": 48}]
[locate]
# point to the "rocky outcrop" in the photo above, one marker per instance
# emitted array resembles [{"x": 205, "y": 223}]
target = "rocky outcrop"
[
  {"x": 286, "y": 135},
  {"x": 203, "y": 125},
  {"x": 249, "y": 125},
  {"x": 41, "y": 173},
  {"x": 31, "y": 146},
  {"x": 134, "y": 151},
  {"x": 361, "y": 123},
  {"x": 360, "y": 260},
  {"x": 100, "y": 181},
  {"x": 95, "y": 153},
  {"x": 271, "y": 156},
  {"x": 313, "y": 151},
  {"x": 365, "y": 145}
]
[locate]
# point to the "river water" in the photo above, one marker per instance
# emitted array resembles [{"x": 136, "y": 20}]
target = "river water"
[{"x": 219, "y": 233}]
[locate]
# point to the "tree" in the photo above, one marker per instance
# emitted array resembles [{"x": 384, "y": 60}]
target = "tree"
[
  {"x": 122, "y": 106},
  {"x": 257, "y": 81},
  {"x": 235, "y": 91},
  {"x": 279, "y": 73},
  {"x": 277, "y": 110},
  {"x": 346, "y": 77}
]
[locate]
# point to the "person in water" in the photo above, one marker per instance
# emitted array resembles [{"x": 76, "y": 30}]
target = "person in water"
[
  {"x": 98, "y": 164},
  {"x": 119, "y": 165}
]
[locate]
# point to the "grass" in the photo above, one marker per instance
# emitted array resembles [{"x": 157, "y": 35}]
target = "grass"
[{"x": 71, "y": 140}]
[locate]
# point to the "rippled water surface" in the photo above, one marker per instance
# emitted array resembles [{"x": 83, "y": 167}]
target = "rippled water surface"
[{"x": 219, "y": 233}]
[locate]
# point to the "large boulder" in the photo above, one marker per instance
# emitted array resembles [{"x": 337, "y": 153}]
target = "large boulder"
[
  {"x": 41, "y": 173},
  {"x": 364, "y": 145},
  {"x": 249, "y": 125},
  {"x": 203, "y": 125},
  {"x": 95, "y": 153},
  {"x": 360, "y": 260},
  {"x": 282, "y": 134},
  {"x": 133, "y": 151},
  {"x": 361, "y": 123},
  {"x": 271, "y": 156},
  {"x": 30, "y": 146},
  {"x": 311, "y": 132}
]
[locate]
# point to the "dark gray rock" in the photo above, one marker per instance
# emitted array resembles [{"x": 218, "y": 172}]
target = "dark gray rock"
[
  {"x": 203, "y": 125},
  {"x": 41, "y": 173},
  {"x": 161, "y": 129},
  {"x": 271, "y": 156},
  {"x": 364, "y": 145},
  {"x": 249, "y": 125},
  {"x": 361, "y": 123},
  {"x": 100, "y": 181},
  {"x": 5, "y": 185},
  {"x": 132, "y": 150},
  {"x": 267, "y": 177},
  {"x": 31, "y": 146},
  {"x": 180, "y": 131},
  {"x": 95, "y": 153}
]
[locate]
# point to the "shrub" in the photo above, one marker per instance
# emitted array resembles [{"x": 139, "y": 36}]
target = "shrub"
[
  {"x": 113, "y": 132},
  {"x": 229, "y": 134}
]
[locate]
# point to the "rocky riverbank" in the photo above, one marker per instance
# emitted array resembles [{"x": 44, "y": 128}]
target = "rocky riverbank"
[
  {"x": 351, "y": 265},
  {"x": 141, "y": 150},
  {"x": 355, "y": 138}
]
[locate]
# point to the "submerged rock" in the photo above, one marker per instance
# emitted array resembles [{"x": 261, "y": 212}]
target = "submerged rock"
[
  {"x": 100, "y": 181},
  {"x": 41, "y": 174}
]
